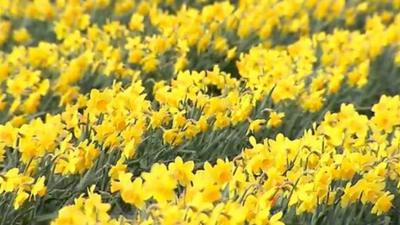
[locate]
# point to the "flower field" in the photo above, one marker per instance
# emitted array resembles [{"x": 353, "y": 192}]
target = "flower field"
[{"x": 172, "y": 112}]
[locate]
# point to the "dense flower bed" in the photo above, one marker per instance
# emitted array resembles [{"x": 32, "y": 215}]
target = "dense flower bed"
[{"x": 199, "y": 112}]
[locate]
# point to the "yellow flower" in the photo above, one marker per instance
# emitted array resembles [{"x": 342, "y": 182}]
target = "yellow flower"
[
  {"x": 275, "y": 219},
  {"x": 4, "y": 71},
  {"x": 135, "y": 194},
  {"x": 221, "y": 44},
  {"x": 39, "y": 189},
  {"x": 170, "y": 136},
  {"x": 397, "y": 58},
  {"x": 231, "y": 53},
  {"x": 386, "y": 113},
  {"x": 16, "y": 87},
  {"x": 255, "y": 126},
  {"x": 202, "y": 123},
  {"x": 99, "y": 101},
  {"x": 182, "y": 171},
  {"x": 313, "y": 101},
  {"x": 285, "y": 89},
  {"x": 179, "y": 120},
  {"x": 115, "y": 170},
  {"x": 159, "y": 183},
  {"x": 221, "y": 121},
  {"x": 2, "y": 155},
  {"x": 150, "y": 63},
  {"x": 122, "y": 7},
  {"x": 129, "y": 150},
  {"x": 13, "y": 180},
  {"x": 136, "y": 22},
  {"x": 124, "y": 181},
  {"x": 275, "y": 119},
  {"x": 158, "y": 117},
  {"x": 21, "y": 197},
  {"x": 221, "y": 172},
  {"x": 21, "y": 35},
  {"x": 358, "y": 77},
  {"x": 44, "y": 55},
  {"x": 5, "y": 27},
  {"x": 383, "y": 204},
  {"x": 211, "y": 194},
  {"x": 180, "y": 64},
  {"x": 90, "y": 210},
  {"x": 8, "y": 134},
  {"x": 70, "y": 215},
  {"x": 31, "y": 104}
]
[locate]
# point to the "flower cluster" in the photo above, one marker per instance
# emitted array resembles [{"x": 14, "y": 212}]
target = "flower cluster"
[
  {"x": 196, "y": 112},
  {"x": 347, "y": 159}
]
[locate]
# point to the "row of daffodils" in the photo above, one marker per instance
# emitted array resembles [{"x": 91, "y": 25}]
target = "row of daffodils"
[
  {"x": 170, "y": 112},
  {"x": 346, "y": 160}
]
